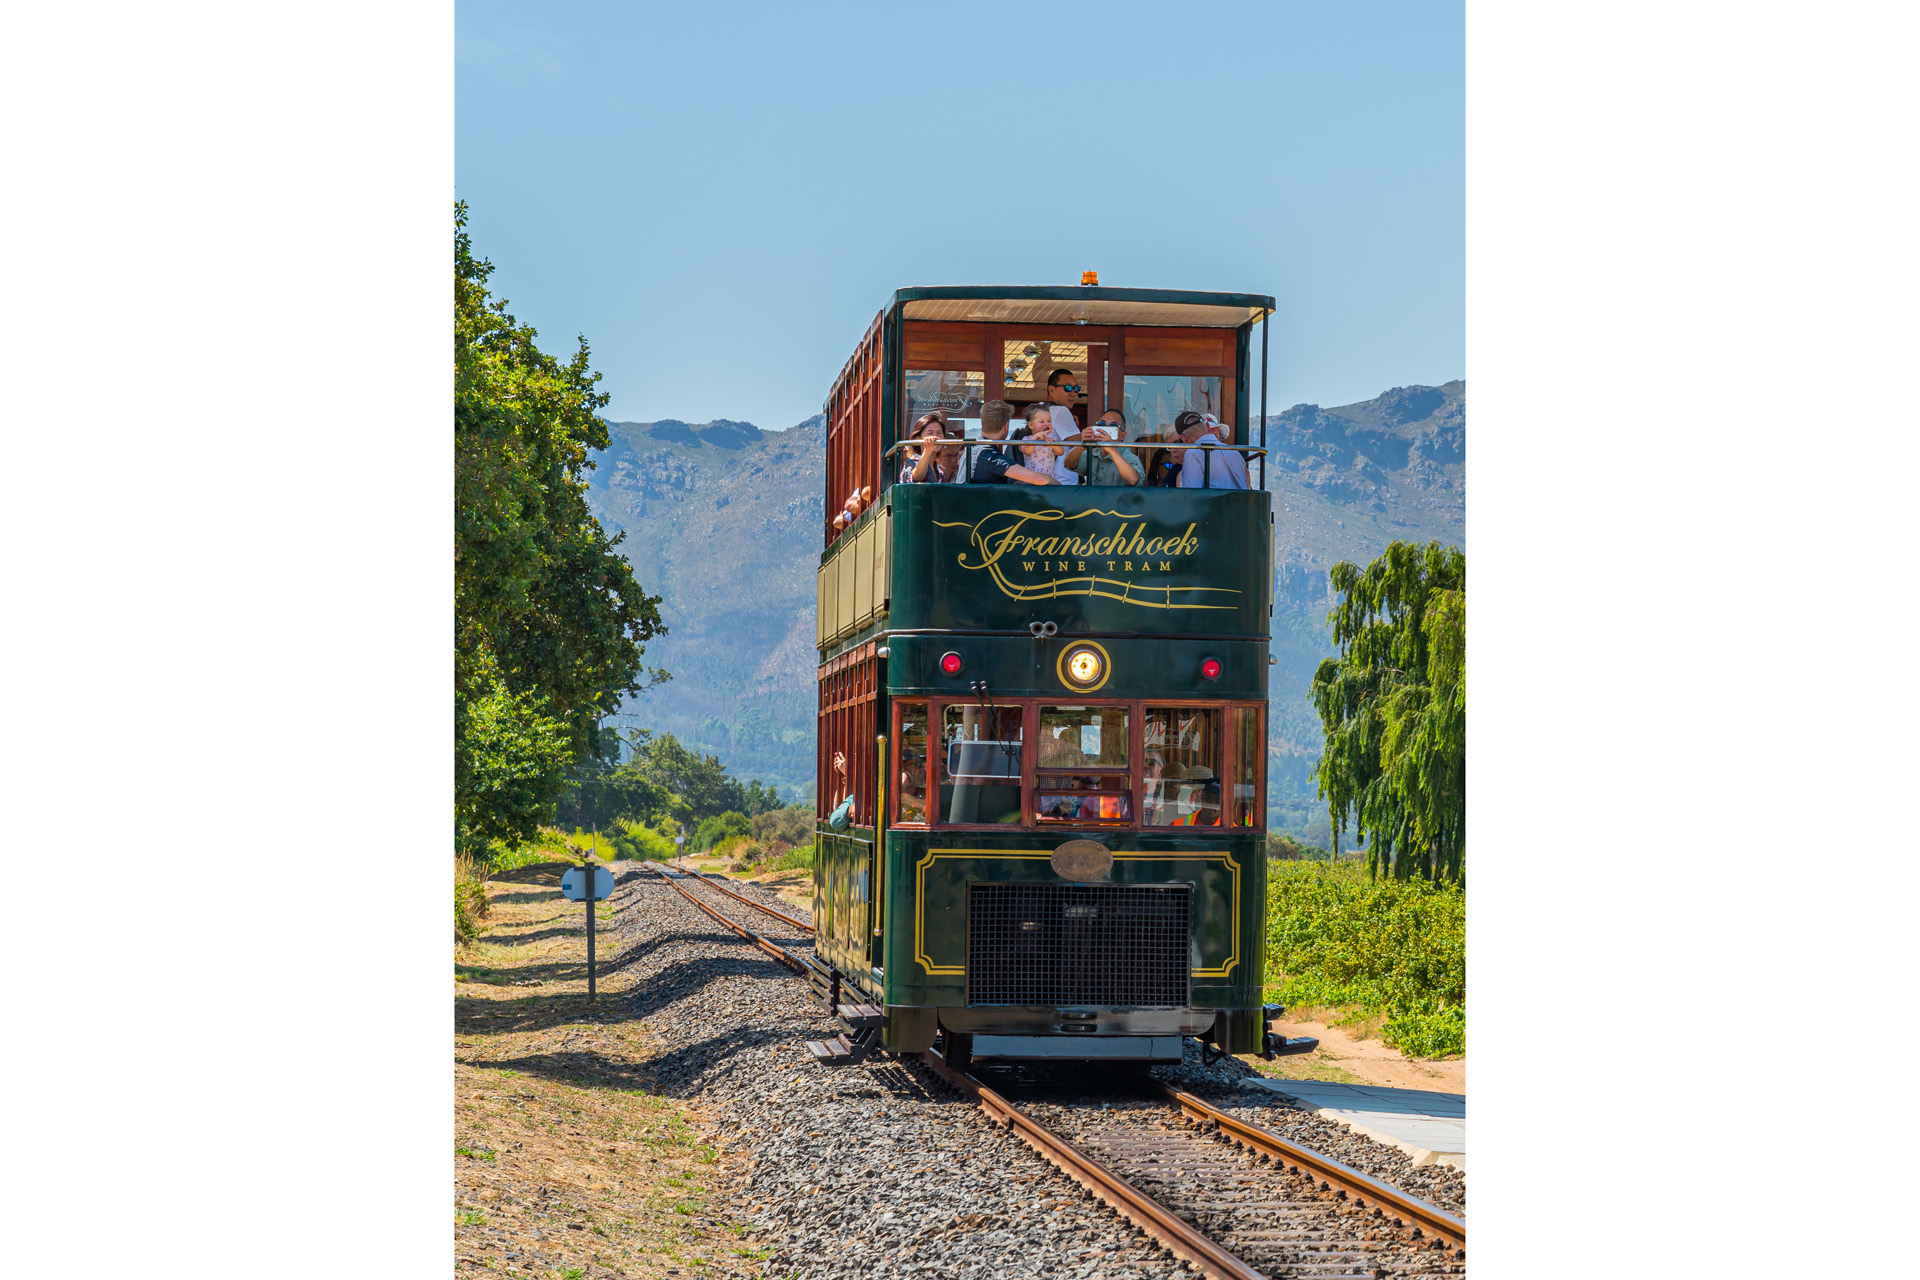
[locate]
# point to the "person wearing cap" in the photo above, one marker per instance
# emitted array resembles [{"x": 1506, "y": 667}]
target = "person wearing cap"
[
  {"x": 1202, "y": 810},
  {"x": 1202, "y": 468},
  {"x": 1096, "y": 461}
]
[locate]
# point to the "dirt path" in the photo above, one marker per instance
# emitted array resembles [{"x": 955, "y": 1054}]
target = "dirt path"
[
  {"x": 1343, "y": 1057},
  {"x": 562, "y": 1166}
]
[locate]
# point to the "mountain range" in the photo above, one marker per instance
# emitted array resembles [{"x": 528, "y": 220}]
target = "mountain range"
[{"x": 722, "y": 520}]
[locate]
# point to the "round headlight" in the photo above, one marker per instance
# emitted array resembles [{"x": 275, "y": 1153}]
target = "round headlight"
[{"x": 1084, "y": 666}]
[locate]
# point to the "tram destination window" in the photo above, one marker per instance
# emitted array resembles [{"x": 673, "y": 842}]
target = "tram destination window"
[
  {"x": 1180, "y": 758},
  {"x": 912, "y": 781},
  {"x": 958, "y": 395},
  {"x": 980, "y": 764},
  {"x": 1083, "y": 774}
]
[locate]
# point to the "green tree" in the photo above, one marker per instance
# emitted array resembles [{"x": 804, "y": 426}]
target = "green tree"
[
  {"x": 699, "y": 783},
  {"x": 549, "y": 622},
  {"x": 1394, "y": 707}
]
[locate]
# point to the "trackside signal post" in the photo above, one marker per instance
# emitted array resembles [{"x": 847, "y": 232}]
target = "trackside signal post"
[{"x": 589, "y": 883}]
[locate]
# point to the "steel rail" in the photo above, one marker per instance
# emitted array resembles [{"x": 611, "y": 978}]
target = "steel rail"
[
  {"x": 1136, "y": 1206},
  {"x": 1360, "y": 1187},
  {"x": 1131, "y": 1203},
  {"x": 773, "y": 949},
  {"x": 757, "y": 906}
]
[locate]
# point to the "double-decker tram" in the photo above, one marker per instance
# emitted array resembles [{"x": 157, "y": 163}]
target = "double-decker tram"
[{"x": 1042, "y": 734}]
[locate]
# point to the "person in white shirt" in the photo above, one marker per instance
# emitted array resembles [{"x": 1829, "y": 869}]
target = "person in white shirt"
[
  {"x": 1207, "y": 468},
  {"x": 1063, "y": 395}
]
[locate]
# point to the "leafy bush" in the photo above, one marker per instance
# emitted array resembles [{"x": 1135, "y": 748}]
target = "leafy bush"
[
  {"x": 470, "y": 905},
  {"x": 798, "y": 858},
  {"x": 745, "y": 853},
  {"x": 790, "y": 826},
  {"x": 639, "y": 843},
  {"x": 712, "y": 832},
  {"x": 1285, "y": 848},
  {"x": 1392, "y": 949}
]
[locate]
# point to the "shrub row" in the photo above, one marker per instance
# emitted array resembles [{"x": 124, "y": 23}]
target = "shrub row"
[{"x": 1389, "y": 949}]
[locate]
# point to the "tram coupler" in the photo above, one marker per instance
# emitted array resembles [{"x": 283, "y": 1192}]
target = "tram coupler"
[{"x": 1274, "y": 1045}]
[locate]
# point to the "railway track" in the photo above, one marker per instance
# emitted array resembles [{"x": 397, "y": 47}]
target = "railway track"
[{"x": 1232, "y": 1199}]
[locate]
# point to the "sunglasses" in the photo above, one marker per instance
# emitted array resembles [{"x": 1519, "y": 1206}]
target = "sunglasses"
[{"x": 1069, "y": 388}]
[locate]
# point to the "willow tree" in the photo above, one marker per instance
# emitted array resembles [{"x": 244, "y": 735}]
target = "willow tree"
[
  {"x": 549, "y": 623},
  {"x": 1394, "y": 707}
]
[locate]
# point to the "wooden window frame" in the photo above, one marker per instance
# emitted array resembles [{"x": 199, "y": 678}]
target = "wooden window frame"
[
  {"x": 1136, "y": 709},
  {"x": 897, "y": 748}
]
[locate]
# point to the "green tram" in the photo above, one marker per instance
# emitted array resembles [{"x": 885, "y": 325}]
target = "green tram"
[{"x": 1047, "y": 704}]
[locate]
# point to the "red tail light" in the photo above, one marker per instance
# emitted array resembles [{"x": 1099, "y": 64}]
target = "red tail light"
[
  {"x": 950, "y": 663},
  {"x": 1210, "y": 668}
]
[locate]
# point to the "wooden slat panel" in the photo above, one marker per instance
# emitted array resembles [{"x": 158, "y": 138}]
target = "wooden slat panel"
[
  {"x": 882, "y": 561},
  {"x": 820, "y": 611},
  {"x": 843, "y": 589},
  {"x": 862, "y": 566},
  {"x": 1200, "y": 350},
  {"x": 932, "y": 345}
]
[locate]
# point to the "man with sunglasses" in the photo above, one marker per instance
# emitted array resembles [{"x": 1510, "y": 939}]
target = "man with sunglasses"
[{"x": 1062, "y": 390}]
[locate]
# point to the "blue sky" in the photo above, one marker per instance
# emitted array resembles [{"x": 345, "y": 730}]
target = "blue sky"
[{"x": 721, "y": 196}]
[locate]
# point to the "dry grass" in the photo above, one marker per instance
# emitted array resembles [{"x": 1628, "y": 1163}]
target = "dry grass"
[
  {"x": 1318, "y": 1065},
  {"x": 559, "y": 1159}
]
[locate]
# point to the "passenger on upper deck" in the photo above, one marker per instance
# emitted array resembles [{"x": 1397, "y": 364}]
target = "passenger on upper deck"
[
  {"x": 937, "y": 462},
  {"x": 1040, "y": 455},
  {"x": 1099, "y": 463},
  {"x": 1061, "y": 392},
  {"x": 1207, "y": 468},
  {"x": 997, "y": 463},
  {"x": 1041, "y": 426}
]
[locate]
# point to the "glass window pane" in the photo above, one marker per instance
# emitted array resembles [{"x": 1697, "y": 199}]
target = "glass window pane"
[
  {"x": 1152, "y": 402},
  {"x": 1099, "y": 797},
  {"x": 913, "y": 762},
  {"x": 1083, "y": 738},
  {"x": 958, "y": 395},
  {"x": 1247, "y": 748},
  {"x": 980, "y": 764},
  {"x": 1181, "y": 764},
  {"x": 1028, "y": 365}
]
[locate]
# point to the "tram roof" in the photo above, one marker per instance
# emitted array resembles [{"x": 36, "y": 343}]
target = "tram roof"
[{"x": 1094, "y": 304}]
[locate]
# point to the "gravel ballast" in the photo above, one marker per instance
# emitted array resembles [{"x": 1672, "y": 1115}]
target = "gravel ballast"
[
  {"x": 875, "y": 1169},
  {"x": 856, "y": 1171}
]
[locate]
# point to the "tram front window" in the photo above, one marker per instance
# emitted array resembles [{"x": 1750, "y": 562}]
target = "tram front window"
[
  {"x": 980, "y": 764},
  {"x": 1181, "y": 761},
  {"x": 1083, "y": 774},
  {"x": 1247, "y": 747},
  {"x": 913, "y": 762},
  {"x": 958, "y": 395}
]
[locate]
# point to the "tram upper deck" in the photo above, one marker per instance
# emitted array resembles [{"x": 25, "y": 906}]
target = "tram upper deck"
[{"x": 1092, "y": 560}]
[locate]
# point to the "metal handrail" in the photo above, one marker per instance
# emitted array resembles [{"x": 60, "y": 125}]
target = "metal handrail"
[{"x": 969, "y": 444}]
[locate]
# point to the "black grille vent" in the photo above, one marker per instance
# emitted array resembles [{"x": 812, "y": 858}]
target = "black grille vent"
[{"x": 1079, "y": 944}]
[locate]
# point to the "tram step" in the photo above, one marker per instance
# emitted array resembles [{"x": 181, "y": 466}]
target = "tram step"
[
  {"x": 858, "y": 1017},
  {"x": 844, "y": 1050},
  {"x": 831, "y": 1053}
]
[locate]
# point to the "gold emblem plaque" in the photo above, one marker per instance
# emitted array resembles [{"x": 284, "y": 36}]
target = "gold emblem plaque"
[{"x": 1083, "y": 860}]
